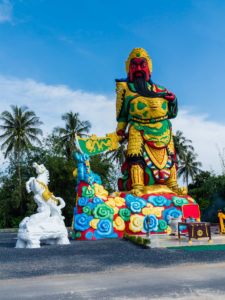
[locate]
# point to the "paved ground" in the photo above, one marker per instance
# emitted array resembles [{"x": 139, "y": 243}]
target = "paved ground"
[
  {"x": 192, "y": 282},
  {"x": 108, "y": 269}
]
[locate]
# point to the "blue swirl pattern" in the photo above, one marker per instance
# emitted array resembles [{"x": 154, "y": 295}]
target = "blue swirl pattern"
[
  {"x": 97, "y": 200},
  {"x": 135, "y": 204},
  {"x": 75, "y": 211},
  {"x": 104, "y": 230},
  {"x": 154, "y": 223},
  {"x": 159, "y": 201},
  {"x": 83, "y": 201},
  {"x": 173, "y": 212},
  {"x": 81, "y": 222}
]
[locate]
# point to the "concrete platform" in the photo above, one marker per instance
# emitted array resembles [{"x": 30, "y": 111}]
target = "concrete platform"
[{"x": 164, "y": 241}]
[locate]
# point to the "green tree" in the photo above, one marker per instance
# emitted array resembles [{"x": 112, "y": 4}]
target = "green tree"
[
  {"x": 73, "y": 126},
  {"x": 182, "y": 145},
  {"x": 117, "y": 156},
  {"x": 20, "y": 131},
  {"x": 189, "y": 166}
]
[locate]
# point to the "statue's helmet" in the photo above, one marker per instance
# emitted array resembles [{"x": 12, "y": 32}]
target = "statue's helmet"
[{"x": 137, "y": 53}]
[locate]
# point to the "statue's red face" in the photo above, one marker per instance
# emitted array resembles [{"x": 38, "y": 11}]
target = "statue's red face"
[{"x": 139, "y": 67}]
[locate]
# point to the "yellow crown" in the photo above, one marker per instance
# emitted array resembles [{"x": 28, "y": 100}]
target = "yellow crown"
[{"x": 138, "y": 52}]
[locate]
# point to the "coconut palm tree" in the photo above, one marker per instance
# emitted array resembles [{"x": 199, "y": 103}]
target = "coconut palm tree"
[
  {"x": 73, "y": 126},
  {"x": 118, "y": 156},
  {"x": 188, "y": 167},
  {"x": 20, "y": 131},
  {"x": 182, "y": 145}
]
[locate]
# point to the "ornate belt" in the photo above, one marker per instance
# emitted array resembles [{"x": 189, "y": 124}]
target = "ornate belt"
[{"x": 149, "y": 121}]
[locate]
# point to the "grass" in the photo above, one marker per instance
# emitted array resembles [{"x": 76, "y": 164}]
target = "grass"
[
  {"x": 200, "y": 248},
  {"x": 144, "y": 242}
]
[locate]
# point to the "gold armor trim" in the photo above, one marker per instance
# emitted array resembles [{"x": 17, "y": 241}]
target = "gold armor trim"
[
  {"x": 137, "y": 176},
  {"x": 138, "y": 52},
  {"x": 135, "y": 142},
  {"x": 114, "y": 140},
  {"x": 149, "y": 189},
  {"x": 157, "y": 139},
  {"x": 171, "y": 144},
  {"x": 121, "y": 126},
  {"x": 149, "y": 121},
  {"x": 159, "y": 157},
  {"x": 47, "y": 194},
  {"x": 121, "y": 88}
]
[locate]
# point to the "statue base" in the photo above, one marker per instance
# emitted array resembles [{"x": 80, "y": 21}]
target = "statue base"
[{"x": 98, "y": 215}]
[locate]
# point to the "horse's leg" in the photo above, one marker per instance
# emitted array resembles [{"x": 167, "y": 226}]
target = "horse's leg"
[
  {"x": 43, "y": 210},
  {"x": 61, "y": 203},
  {"x": 20, "y": 244},
  {"x": 28, "y": 184},
  {"x": 63, "y": 240},
  {"x": 33, "y": 243}
]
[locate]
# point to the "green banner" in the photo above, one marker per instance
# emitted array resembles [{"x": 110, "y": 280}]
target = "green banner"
[{"x": 95, "y": 145}]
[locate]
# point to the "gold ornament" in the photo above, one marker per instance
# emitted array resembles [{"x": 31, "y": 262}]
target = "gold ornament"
[{"x": 47, "y": 194}]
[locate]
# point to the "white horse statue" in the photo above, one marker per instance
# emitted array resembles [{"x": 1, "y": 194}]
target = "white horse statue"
[{"x": 47, "y": 224}]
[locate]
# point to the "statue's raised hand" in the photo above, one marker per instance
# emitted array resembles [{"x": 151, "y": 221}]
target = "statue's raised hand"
[{"x": 170, "y": 96}]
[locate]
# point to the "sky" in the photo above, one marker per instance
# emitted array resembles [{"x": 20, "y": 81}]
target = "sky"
[{"x": 57, "y": 56}]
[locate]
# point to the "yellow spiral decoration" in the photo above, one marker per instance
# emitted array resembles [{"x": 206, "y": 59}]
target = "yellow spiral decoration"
[
  {"x": 93, "y": 223},
  {"x": 157, "y": 211},
  {"x": 116, "y": 210},
  {"x": 110, "y": 202},
  {"x": 136, "y": 223},
  {"x": 100, "y": 191},
  {"x": 150, "y": 209},
  {"x": 168, "y": 230},
  {"x": 119, "y": 201},
  {"x": 146, "y": 211},
  {"x": 119, "y": 224}
]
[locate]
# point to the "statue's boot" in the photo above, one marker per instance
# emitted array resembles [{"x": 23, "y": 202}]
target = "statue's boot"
[
  {"x": 137, "y": 180},
  {"x": 181, "y": 191},
  {"x": 172, "y": 183}
]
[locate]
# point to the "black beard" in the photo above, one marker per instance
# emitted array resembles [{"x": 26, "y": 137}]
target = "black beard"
[{"x": 140, "y": 85}]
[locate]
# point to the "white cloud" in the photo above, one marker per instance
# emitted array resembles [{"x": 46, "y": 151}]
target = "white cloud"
[
  {"x": 207, "y": 136},
  {"x": 51, "y": 101},
  {"x": 5, "y": 11}
]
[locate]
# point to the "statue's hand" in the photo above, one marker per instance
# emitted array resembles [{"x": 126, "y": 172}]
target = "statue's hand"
[
  {"x": 170, "y": 96},
  {"x": 121, "y": 135}
]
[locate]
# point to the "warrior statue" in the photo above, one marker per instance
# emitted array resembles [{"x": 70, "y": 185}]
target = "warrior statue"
[{"x": 144, "y": 110}]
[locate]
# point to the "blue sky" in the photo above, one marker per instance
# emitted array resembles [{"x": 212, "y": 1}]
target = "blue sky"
[{"x": 51, "y": 51}]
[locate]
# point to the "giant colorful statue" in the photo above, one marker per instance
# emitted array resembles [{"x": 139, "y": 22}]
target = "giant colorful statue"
[
  {"x": 145, "y": 109},
  {"x": 148, "y": 188}
]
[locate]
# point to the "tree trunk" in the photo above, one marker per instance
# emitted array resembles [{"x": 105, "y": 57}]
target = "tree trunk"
[
  {"x": 73, "y": 144},
  {"x": 20, "y": 182},
  {"x": 187, "y": 181}
]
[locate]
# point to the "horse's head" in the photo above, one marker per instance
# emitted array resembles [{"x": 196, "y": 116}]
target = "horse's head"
[{"x": 40, "y": 169}]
